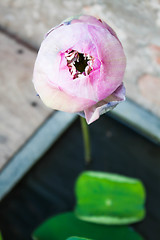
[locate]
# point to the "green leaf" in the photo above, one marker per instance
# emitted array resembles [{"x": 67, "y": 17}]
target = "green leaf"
[
  {"x": 65, "y": 225},
  {"x": 1, "y": 237},
  {"x": 78, "y": 238},
  {"x": 109, "y": 198}
]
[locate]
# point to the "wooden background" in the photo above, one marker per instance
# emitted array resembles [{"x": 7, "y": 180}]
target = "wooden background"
[{"x": 21, "y": 111}]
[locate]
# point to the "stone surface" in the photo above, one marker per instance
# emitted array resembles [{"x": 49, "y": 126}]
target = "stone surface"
[
  {"x": 21, "y": 111},
  {"x": 156, "y": 53},
  {"x": 137, "y": 24},
  {"x": 149, "y": 87}
]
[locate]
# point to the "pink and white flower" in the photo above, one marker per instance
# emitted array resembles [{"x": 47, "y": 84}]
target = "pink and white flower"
[{"x": 80, "y": 68}]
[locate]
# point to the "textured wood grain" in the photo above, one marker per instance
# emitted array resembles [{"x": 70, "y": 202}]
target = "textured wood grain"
[{"x": 21, "y": 111}]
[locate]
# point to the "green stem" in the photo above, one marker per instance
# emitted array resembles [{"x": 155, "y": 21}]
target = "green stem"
[{"x": 86, "y": 140}]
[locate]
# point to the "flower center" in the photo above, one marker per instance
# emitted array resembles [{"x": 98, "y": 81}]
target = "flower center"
[{"x": 79, "y": 64}]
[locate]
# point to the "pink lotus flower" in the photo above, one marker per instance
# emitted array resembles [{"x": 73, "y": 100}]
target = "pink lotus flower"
[{"x": 80, "y": 67}]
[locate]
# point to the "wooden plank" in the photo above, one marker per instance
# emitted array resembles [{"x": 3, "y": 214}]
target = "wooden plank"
[
  {"x": 34, "y": 149},
  {"x": 21, "y": 111}
]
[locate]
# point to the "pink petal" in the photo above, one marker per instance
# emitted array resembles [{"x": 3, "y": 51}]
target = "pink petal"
[
  {"x": 93, "y": 113},
  {"x": 113, "y": 61},
  {"x": 53, "y": 80},
  {"x": 57, "y": 99}
]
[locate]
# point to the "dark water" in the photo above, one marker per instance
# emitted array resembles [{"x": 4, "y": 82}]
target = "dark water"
[{"x": 48, "y": 189}]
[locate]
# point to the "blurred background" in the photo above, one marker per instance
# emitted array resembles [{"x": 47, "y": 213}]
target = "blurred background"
[
  {"x": 137, "y": 24},
  {"x": 23, "y": 25}
]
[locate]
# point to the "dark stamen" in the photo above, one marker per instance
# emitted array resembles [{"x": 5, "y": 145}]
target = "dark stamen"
[{"x": 81, "y": 64}]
